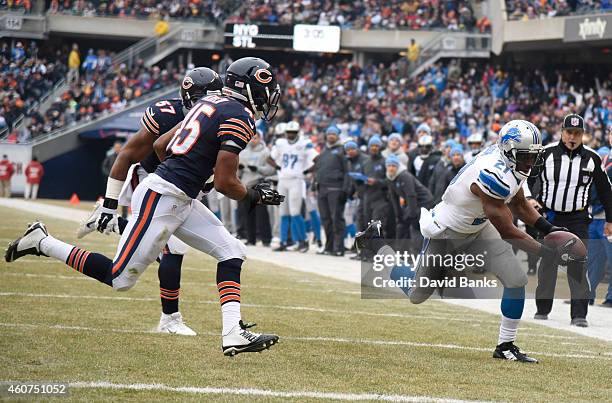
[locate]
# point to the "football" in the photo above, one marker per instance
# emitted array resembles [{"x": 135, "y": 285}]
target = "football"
[{"x": 570, "y": 243}]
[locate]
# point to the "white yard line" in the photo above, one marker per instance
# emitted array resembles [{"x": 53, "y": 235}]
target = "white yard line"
[
  {"x": 346, "y": 270},
  {"x": 206, "y": 390},
  {"x": 342, "y": 312},
  {"x": 607, "y": 356}
]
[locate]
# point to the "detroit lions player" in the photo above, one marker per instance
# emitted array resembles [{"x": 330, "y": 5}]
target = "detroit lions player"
[
  {"x": 478, "y": 206},
  {"x": 210, "y": 138},
  {"x": 292, "y": 157},
  {"x": 159, "y": 118}
]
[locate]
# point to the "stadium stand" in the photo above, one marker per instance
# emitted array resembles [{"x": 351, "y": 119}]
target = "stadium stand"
[
  {"x": 366, "y": 14},
  {"x": 100, "y": 88},
  {"x": 28, "y": 73},
  {"x": 209, "y": 10},
  {"x": 454, "y": 99},
  {"x": 16, "y": 5},
  {"x": 529, "y": 9}
]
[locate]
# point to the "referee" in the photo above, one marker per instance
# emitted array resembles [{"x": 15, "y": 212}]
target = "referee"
[{"x": 568, "y": 171}]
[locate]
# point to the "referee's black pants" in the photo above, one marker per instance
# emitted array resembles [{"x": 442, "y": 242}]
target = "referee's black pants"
[{"x": 580, "y": 289}]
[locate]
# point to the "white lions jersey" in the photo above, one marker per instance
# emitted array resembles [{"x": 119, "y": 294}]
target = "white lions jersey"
[
  {"x": 460, "y": 209},
  {"x": 293, "y": 158}
]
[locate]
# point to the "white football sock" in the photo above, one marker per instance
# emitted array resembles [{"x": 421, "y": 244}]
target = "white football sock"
[
  {"x": 55, "y": 248},
  {"x": 508, "y": 330},
  {"x": 230, "y": 314}
]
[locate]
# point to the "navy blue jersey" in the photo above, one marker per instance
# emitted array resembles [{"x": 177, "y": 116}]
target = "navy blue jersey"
[
  {"x": 158, "y": 119},
  {"x": 213, "y": 121}
]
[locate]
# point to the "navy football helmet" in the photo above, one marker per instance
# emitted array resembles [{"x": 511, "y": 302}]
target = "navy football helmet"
[{"x": 252, "y": 81}]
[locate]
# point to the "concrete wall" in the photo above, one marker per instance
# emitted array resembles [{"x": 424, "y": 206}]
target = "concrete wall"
[
  {"x": 383, "y": 40},
  {"x": 534, "y": 30},
  {"x": 101, "y": 27}
]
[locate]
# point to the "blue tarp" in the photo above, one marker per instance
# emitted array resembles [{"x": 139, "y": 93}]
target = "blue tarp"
[{"x": 121, "y": 125}]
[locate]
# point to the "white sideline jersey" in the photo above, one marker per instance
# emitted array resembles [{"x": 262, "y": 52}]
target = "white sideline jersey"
[
  {"x": 293, "y": 158},
  {"x": 460, "y": 209}
]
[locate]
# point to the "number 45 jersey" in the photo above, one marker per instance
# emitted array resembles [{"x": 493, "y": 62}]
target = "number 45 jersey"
[
  {"x": 213, "y": 121},
  {"x": 460, "y": 209}
]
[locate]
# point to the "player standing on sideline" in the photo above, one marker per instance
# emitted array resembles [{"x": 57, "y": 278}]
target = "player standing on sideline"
[
  {"x": 210, "y": 138},
  {"x": 136, "y": 160},
  {"x": 293, "y": 158},
  {"x": 478, "y": 206}
]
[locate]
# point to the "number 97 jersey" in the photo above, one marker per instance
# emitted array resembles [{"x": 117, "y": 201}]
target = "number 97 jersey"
[
  {"x": 214, "y": 121},
  {"x": 293, "y": 158}
]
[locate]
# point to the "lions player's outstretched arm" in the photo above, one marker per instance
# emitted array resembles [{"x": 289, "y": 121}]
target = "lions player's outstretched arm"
[
  {"x": 135, "y": 150},
  {"x": 501, "y": 217},
  {"x": 523, "y": 210}
]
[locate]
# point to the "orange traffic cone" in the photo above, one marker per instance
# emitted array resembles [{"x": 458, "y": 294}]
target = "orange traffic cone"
[{"x": 74, "y": 199}]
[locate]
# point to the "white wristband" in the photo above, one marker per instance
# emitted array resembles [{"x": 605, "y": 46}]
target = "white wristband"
[{"x": 113, "y": 188}]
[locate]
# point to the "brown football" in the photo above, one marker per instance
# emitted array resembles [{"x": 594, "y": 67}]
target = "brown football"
[{"x": 570, "y": 244}]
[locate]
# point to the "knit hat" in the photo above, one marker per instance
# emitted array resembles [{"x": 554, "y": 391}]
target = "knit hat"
[
  {"x": 396, "y": 136},
  {"x": 392, "y": 160},
  {"x": 349, "y": 145},
  {"x": 424, "y": 127},
  {"x": 457, "y": 149},
  {"x": 333, "y": 130},
  {"x": 374, "y": 140}
]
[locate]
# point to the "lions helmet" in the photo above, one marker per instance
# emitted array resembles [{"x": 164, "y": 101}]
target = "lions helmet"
[
  {"x": 252, "y": 81},
  {"x": 197, "y": 83},
  {"x": 520, "y": 142},
  {"x": 291, "y": 131}
]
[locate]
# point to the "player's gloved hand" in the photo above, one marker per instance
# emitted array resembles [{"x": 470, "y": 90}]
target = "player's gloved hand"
[
  {"x": 107, "y": 222},
  {"x": 543, "y": 225},
  {"x": 556, "y": 256},
  {"x": 552, "y": 256},
  {"x": 253, "y": 168},
  {"x": 555, "y": 229},
  {"x": 262, "y": 193}
]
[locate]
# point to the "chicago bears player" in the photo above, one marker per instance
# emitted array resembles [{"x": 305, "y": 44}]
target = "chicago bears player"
[
  {"x": 136, "y": 160},
  {"x": 292, "y": 157},
  {"x": 478, "y": 206},
  {"x": 210, "y": 138}
]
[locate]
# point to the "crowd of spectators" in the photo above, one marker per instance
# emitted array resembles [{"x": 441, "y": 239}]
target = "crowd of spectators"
[
  {"x": 363, "y": 14},
  {"x": 16, "y": 5},
  {"x": 456, "y": 99},
  {"x": 26, "y": 74},
  {"x": 98, "y": 87},
  {"x": 209, "y": 10},
  {"x": 533, "y": 9}
]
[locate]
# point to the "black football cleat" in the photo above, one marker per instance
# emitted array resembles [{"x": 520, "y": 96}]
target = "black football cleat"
[
  {"x": 373, "y": 231},
  {"x": 509, "y": 351},
  {"x": 28, "y": 244},
  {"x": 241, "y": 340}
]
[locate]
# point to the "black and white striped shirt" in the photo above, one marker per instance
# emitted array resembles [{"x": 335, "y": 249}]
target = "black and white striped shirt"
[{"x": 566, "y": 177}]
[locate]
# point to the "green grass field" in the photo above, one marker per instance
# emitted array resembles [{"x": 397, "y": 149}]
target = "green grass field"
[{"x": 57, "y": 325}]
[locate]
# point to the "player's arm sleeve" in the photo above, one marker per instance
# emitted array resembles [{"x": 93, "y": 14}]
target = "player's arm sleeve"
[
  {"x": 491, "y": 182},
  {"x": 149, "y": 122},
  {"x": 604, "y": 189},
  {"x": 235, "y": 133}
]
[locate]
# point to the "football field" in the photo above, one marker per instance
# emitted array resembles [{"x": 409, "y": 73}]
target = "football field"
[{"x": 58, "y": 325}]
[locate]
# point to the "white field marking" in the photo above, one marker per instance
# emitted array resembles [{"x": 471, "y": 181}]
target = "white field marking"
[
  {"x": 284, "y": 307},
  {"x": 207, "y": 390},
  {"x": 596, "y": 356},
  {"x": 551, "y": 336}
]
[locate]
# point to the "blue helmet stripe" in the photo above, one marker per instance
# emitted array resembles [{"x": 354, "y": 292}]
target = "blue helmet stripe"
[{"x": 492, "y": 184}]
